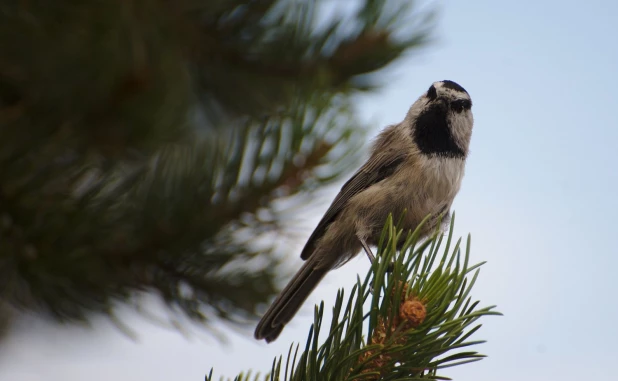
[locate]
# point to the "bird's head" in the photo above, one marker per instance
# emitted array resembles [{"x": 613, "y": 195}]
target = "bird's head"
[{"x": 441, "y": 120}]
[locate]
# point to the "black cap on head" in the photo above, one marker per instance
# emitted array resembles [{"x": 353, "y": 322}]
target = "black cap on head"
[{"x": 453, "y": 86}]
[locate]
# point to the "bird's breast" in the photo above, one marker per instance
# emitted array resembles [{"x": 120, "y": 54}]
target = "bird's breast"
[
  {"x": 443, "y": 174},
  {"x": 429, "y": 188}
]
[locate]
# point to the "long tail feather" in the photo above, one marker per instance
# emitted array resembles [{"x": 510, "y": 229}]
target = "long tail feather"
[{"x": 290, "y": 300}]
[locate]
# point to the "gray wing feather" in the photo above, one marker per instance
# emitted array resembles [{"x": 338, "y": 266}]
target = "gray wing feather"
[{"x": 373, "y": 171}]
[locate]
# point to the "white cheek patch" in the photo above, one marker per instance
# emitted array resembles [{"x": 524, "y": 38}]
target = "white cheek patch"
[{"x": 461, "y": 127}]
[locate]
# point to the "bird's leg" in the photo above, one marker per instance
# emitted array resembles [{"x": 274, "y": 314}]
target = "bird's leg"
[
  {"x": 370, "y": 255},
  {"x": 368, "y": 251}
]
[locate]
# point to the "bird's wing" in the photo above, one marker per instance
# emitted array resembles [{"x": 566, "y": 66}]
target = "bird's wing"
[{"x": 373, "y": 171}]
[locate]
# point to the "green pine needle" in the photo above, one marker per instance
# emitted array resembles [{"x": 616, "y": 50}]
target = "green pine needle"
[{"x": 404, "y": 353}]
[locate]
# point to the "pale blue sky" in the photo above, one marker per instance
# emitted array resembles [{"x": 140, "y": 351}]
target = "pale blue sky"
[{"x": 538, "y": 197}]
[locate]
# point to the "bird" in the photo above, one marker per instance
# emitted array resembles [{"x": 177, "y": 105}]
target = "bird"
[{"x": 416, "y": 165}]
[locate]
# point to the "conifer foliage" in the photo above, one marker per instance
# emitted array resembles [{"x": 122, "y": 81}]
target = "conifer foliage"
[
  {"x": 146, "y": 145},
  {"x": 407, "y": 324}
]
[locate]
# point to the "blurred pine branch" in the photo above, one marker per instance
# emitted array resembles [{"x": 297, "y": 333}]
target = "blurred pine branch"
[{"x": 144, "y": 144}]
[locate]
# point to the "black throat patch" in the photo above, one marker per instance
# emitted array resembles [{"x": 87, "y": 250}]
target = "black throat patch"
[{"x": 433, "y": 135}]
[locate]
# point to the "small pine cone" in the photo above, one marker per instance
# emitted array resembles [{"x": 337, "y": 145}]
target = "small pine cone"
[{"x": 413, "y": 311}]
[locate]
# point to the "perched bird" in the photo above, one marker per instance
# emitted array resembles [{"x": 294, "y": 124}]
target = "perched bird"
[{"x": 416, "y": 165}]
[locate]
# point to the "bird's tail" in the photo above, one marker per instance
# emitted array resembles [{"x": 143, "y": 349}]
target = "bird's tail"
[{"x": 290, "y": 299}]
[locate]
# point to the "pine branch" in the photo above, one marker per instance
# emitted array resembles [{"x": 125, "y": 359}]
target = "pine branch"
[
  {"x": 418, "y": 319},
  {"x": 275, "y": 48},
  {"x": 173, "y": 224},
  {"x": 146, "y": 145}
]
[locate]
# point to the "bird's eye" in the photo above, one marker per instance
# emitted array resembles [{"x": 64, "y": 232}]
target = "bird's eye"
[{"x": 460, "y": 105}]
